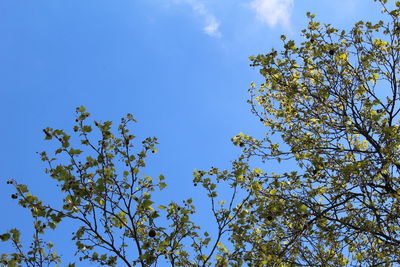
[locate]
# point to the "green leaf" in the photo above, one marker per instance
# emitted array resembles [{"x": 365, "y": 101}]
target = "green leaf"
[
  {"x": 5, "y": 237},
  {"x": 75, "y": 151},
  {"x": 272, "y": 192},
  {"x": 15, "y": 234},
  {"x": 52, "y": 225},
  {"x": 147, "y": 203}
]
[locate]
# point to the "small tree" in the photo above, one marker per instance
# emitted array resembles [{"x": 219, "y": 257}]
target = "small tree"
[{"x": 330, "y": 107}]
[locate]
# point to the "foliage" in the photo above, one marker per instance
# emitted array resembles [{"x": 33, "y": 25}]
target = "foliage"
[
  {"x": 330, "y": 107},
  {"x": 110, "y": 202}
]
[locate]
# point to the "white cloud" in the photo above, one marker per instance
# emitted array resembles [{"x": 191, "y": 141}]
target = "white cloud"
[
  {"x": 211, "y": 26},
  {"x": 273, "y": 12}
]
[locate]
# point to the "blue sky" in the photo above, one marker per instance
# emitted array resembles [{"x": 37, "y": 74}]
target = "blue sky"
[{"x": 180, "y": 66}]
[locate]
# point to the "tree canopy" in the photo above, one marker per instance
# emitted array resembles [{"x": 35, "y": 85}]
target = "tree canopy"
[{"x": 330, "y": 107}]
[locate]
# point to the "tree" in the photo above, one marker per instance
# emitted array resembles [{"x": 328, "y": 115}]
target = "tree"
[
  {"x": 110, "y": 202},
  {"x": 330, "y": 108}
]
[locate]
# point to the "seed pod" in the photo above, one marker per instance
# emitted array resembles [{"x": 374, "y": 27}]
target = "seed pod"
[{"x": 152, "y": 233}]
